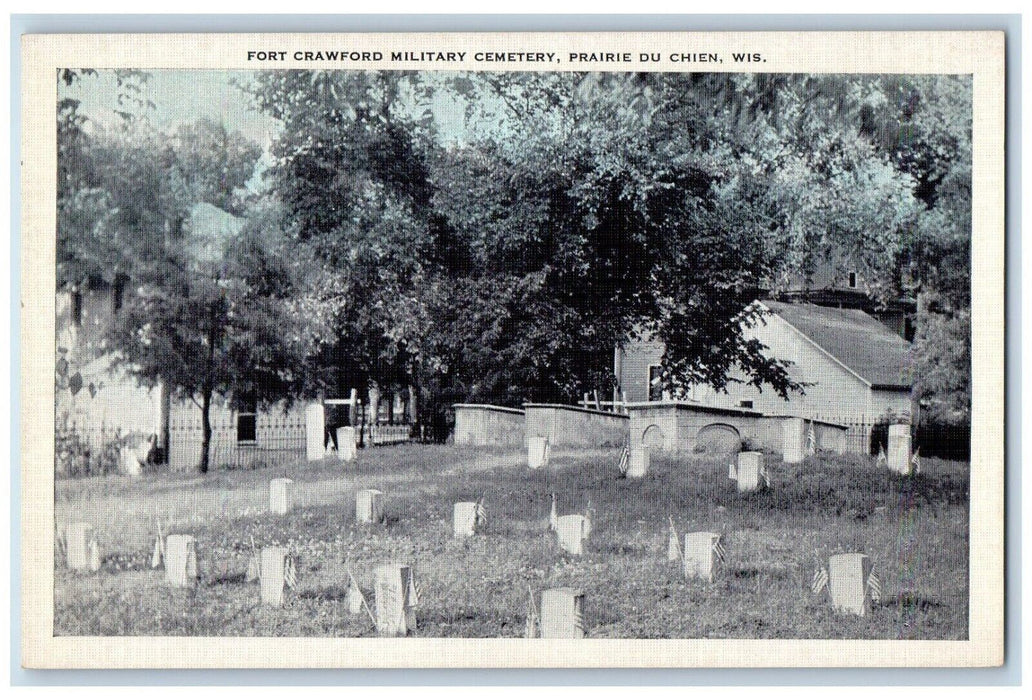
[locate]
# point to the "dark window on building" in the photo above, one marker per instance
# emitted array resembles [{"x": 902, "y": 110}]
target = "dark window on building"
[
  {"x": 745, "y": 404},
  {"x": 247, "y": 424},
  {"x": 852, "y": 280},
  {"x": 118, "y": 294},
  {"x": 655, "y": 385},
  {"x": 77, "y": 308}
]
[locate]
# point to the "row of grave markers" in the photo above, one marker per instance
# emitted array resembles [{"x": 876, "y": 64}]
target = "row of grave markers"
[{"x": 799, "y": 442}]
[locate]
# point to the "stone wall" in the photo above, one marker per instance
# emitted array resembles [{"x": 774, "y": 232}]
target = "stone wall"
[
  {"x": 482, "y": 424},
  {"x": 571, "y": 426}
]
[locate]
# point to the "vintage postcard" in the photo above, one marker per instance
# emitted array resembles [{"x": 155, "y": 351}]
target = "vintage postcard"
[{"x": 512, "y": 350}]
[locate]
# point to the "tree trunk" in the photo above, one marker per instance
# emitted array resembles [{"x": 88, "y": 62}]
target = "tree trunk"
[{"x": 205, "y": 430}]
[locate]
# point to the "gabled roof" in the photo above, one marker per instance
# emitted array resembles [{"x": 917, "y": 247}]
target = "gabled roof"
[{"x": 858, "y": 341}]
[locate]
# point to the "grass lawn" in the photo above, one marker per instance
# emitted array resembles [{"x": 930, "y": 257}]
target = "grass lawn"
[{"x": 914, "y": 529}]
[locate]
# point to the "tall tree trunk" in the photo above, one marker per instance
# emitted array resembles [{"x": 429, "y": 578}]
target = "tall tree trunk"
[{"x": 205, "y": 429}]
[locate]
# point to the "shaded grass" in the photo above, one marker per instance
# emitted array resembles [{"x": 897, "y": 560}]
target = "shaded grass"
[{"x": 914, "y": 530}]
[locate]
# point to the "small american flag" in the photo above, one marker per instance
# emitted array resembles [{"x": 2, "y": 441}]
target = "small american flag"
[
  {"x": 765, "y": 476},
  {"x": 820, "y": 579},
  {"x": 915, "y": 461},
  {"x": 578, "y": 618},
  {"x": 290, "y": 573},
  {"x": 531, "y": 630},
  {"x": 548, "y": 449},
  {"x": 94, "y": 554},
  {"x": 874, "y": 586},
  {"x": 158, "y": 556},
  {"x": 553, "y": 517},
  {"x": 480, "y": 513},
  {"x": 192, "y": 570},
  {"x": 811, "y": 440},
  {"x": 415, "y": 591},
  {"x": 732, "y": 471},
  {"x": 588, "y": 515},
  {"x": 882, "y": 461},
  {"x": 356, "y": 590},
  {"x": 673, "y": 543},
  {"x": 625, "y": 460},
  {"x": 718, "y": 549}
]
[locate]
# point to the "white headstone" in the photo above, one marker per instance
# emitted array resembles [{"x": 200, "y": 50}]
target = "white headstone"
[
  {"x": 793, "y": 440},
  {"x": 347, "y": 444},
  {"x": 562, "y": 614},
  {"x": 369, "y": 506},
  {"x": 750, "y": 466},
  {"x": 280, "y": 495},
  {"x": 537, "y": 451},
  {"x": 899, "y": 448},
  {"x": 395, "y": 606},
  {"x": 77, "y": 543},
  {"x": 700, "y": 555},
  {"x": 273, "y": 575},
  {"x": 129, "y": 461},
  {"x": 638, "y": 464},
  {"x": 180, "y": 560},
  {"x": 847, "y": 581},
  {"x": 464, "y": 519},
  {"x": 315, "y": 431},
  {"x": 571, "y": 533}
]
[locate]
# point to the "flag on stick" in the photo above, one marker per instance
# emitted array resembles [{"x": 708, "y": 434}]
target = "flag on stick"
[
  {"x": 415, "y": 591},
  {"x": 158, "y": 557},
  {"x": 553, "y": 517},
  {"x": 587, "y": 520},
  {"x": 625, "y": 460},
  {"x": 254, "y": 566},
  {"x": 915, "y": 461},
  {"x": 673, "y": 543},
  {"x": 718, "y": 549},
  {"x": 765, "y": 476},
  {"x": 732, "y": 470},
  {"x": 811, "y": 440},
  {"x": 480, "y": 514},
  {"x": 531, "y": 629},
  {"x": 820, "y": 576},
  {"x": 874, "y": 586},
  {"x": 356, "y": 590},
  {"x": 882, "y": 461},
  {"x": 290, "y": 573},
  {"x": 94, "y": 554}
]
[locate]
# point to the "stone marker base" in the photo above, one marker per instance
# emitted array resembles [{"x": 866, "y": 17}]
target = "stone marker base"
[
  {"x": 847, "y": 581},
  {"x": 77, "y": 546},
  {"x": 700, "y": 555},
  {"x": 395, "y": 611},
  {"x": 899, "y": 448},
  {"x": 793, "y": 440},
  {"x": 571, "y": 533},
  {"x": 537, "y": 452},
  {"x": 464, "y": 519},
  {"x": 347, "y": 444},
  {"x": 280, "y": 495},
  {"x": 369, "y": 506},
  {"x": 180, "y": 560},
  {"x": 562, "y": 614},
  {"x": 273, "y": 575},
  {"x": 638, "y": 463},
  {"x": 750, "y": 468}
]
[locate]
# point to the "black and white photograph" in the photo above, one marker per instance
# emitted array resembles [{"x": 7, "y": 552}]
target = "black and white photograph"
[{"x": 587, "y": 351}]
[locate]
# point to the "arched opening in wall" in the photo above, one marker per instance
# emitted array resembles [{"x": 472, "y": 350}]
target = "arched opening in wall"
[
  {"x": 718, "y": 438},
  {"x": 653, "y": 437}
]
